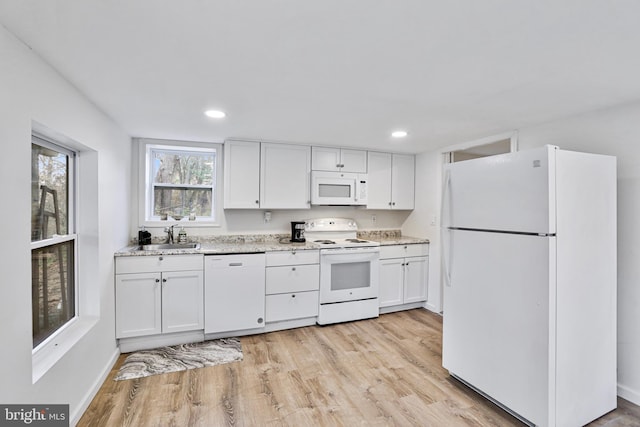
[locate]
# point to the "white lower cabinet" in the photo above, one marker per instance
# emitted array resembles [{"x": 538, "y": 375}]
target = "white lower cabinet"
[
  {"x": 234, "y": 294},
  {"x": 292, "y": 285},
  {"x": 158, "y": 295},
  {"x": 403, "y": 274}
]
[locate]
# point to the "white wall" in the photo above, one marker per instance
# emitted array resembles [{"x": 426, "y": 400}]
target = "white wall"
[
  {"x": 613, "y": 132},
  {"x": 424, "y": 220},
  {"x": 31, "y": 90}
]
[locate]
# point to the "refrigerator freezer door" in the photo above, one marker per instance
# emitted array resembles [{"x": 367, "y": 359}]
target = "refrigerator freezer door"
[
  {"x": 509, "y": 192},
  {"x": 496, "y": 318}
]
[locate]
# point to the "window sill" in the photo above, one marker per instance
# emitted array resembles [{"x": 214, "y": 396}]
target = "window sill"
[
  {"x": 185, "y": 224},
  {"x": 56, "y": 346}
]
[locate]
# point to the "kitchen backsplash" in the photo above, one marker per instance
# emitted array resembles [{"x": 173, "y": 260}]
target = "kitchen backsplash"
[{"x": 262, "y": 238}]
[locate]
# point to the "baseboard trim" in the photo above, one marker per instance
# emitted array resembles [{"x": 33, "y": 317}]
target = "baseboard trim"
[
  {"x": 433, "y": 308},
  {"x": 84, "y": 404},
  {"x": 401, "y": 307},
  {"x": 629, "y": 394}
]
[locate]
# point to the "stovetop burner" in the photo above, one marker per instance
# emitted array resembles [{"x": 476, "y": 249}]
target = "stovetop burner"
[{"x": 335, "y": 233}]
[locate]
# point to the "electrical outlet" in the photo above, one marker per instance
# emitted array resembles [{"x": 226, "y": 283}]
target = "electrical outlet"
[
  {"x": 373, "y": 218},
  {"x": 433, "y": 220},
  {"x": 267, "y": 217}
]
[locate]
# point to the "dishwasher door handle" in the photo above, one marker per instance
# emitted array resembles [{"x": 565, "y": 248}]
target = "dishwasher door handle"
[{"x": 235, "y": 264}]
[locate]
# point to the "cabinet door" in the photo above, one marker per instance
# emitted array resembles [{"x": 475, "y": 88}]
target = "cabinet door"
[
  {"x": 182, "y": 301},
  {"x": 241, "y": 175},
  {"x": 325, "y": 159},
  {"x": 234, "y": 292},
  {"x": 379, "y": 185},
  {"x": 390, "y": 282},
  {"x": 138, "y": 304},
  {"x": 415, "y": 279},
  {"x": 402, "y": 181},
  {"x": 353, "y": 160},
  {"x": 284, "y": 173}
]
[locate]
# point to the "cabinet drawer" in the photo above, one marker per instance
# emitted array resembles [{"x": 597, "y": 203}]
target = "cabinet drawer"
[
  {"x": 156, "y": 263},
  {"x": 230, "y": 261},
  {"x": 293, "y": 257},
  {"x": 291, "y": 306},
  {"x": 293, "y": 278},
  {"x": 402, "y": 251}
]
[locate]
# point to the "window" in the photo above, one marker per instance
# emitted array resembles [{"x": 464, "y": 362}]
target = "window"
[
  {"x": 181, "y": 182},
  {"x": 53, "y": 238},
  {"x": 478, "y": 151}
]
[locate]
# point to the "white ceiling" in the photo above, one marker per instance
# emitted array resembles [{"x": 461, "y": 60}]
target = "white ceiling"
[{"x": 338, "y": 72}]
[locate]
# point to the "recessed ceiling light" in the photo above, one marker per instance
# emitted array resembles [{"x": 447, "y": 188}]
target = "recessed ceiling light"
[
  {"x": 216, "y": 114},
  {"x": 399, "y": 134}
]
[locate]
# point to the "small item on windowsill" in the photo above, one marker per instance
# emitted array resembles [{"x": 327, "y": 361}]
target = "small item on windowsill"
[
  {"x": 177, "y": 217},
  {"x": 192, "y": 216},
  {"x": 182, "y": 236},
  {"x": 163, "y": 216}
]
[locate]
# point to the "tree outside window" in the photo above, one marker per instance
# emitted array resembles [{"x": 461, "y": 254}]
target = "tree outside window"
[
  {"x": 53, "y": 239},
  {"x": 182, "y": 182}
]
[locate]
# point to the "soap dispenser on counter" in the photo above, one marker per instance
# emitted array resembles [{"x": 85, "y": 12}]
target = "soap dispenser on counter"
[{"x": 182, "y": 235}]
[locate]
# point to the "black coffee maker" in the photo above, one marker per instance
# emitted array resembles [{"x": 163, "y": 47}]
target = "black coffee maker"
[{"x": 297, "y": 231}]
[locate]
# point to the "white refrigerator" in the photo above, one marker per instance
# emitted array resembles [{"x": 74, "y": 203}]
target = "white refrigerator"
[{"x": 529, "y": 249}]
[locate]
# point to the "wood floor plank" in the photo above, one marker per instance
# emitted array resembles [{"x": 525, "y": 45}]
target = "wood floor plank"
[{"x": 377, "y": 372}]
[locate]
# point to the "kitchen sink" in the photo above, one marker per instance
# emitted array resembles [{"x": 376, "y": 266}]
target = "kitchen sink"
[{"x": 168, "y": 247}]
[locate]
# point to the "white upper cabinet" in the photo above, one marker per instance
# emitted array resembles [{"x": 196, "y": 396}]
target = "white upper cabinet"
[
  {"x": 339, "y": 159},
  {"x": 266, "y": 175},
  {"x": 403, "y": 181},
  {"x": 284, "y": 176},
  {"x": 379, "y": 186},
  {"x": 241, "y": 175},
  {"x": 391, "y": 181}
]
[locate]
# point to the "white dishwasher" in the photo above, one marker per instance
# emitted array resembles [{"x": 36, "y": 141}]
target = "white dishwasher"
[{"x": 234, "y": 292}]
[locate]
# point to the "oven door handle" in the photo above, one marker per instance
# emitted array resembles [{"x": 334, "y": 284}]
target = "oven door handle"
[{"x": 346, "y": 251}]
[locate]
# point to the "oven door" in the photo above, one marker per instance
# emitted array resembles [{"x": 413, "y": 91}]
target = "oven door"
[{"x": 348, "y": 274}]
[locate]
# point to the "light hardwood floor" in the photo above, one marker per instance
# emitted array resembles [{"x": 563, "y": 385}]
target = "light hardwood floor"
[{"x": 377, "y": 372}]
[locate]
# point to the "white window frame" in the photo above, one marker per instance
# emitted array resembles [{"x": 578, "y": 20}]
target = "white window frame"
[
  {"x": 146, "y": 186},
  {"x": 88, "y": 290},
  {"x": 512, "y": 137},
  {"x": 71, "y": 236}
]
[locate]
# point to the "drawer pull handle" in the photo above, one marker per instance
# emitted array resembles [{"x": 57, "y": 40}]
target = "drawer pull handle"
[
  {"x": 235, "y": 264},
  {"x": 293, "y": 269},
  {"x": 293, "y": 296},
  {"x": 160, "y": 258}
]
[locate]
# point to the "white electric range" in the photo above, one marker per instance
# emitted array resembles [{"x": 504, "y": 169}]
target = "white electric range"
[{"x": 348, "y": 270}]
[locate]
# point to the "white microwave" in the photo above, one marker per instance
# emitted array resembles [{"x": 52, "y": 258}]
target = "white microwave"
[{"x": 338, "y": 188}]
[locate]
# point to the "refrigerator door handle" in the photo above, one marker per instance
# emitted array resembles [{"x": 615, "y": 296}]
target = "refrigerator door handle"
[
  {"x": 445, "y": 201},
  {"x": 445, "y": 238},
  {"x": 445, "y": 232}
]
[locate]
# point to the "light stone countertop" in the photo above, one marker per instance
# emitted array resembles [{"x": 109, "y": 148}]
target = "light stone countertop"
[{"x": 264, "y": 243}]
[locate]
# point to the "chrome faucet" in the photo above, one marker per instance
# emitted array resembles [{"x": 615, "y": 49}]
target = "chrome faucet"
[{"x": 169, "y": 231}]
